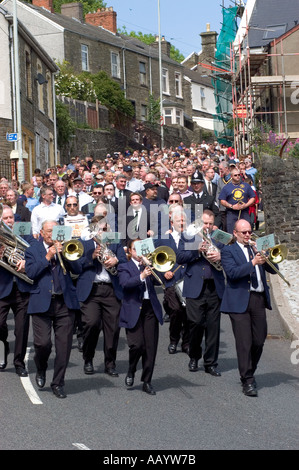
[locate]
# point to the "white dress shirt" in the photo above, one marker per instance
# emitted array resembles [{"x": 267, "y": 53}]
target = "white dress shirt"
[
  {"x": 44, "y": 212},
  {"x": 260, "y": 287},
  {"x": 146, "y": 294}
]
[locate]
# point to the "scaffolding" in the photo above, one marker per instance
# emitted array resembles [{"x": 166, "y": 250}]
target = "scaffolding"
[{"x": 263, "y": 87}]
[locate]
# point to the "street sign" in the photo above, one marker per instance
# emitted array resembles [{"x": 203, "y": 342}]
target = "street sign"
[{"x": 12, "y": 137}]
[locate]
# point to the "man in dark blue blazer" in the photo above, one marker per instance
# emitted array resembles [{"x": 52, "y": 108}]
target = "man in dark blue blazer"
[
  {"x": 246, "y": 299},
  {"x": 203, "y": 290},
  {"x": 173, "y": 302},
  {"x": 140, "y": 314},
  {"x": 13, "y": 295},
  {"x": 52, "y": 303},
  {"x": 100, "y": 295}
]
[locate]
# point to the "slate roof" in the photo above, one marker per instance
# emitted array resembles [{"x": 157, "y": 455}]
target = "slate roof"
[
  {"x": 100, "y": 34},
  {"x": 280, "y": 13}
]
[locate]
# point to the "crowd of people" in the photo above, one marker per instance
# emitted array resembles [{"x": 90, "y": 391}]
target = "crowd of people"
[{"x": 176, "y": 198}]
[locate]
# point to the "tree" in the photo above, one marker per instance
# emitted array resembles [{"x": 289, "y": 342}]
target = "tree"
[
  {"x": 65, "y": 125},
  {"x": 88, "y": 5},
  {"x": 148, "y": 39},
  {"x": 154, "y": 111}
]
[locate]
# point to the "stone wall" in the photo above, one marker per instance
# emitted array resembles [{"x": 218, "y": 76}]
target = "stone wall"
[{"x": 281, "y": 200}]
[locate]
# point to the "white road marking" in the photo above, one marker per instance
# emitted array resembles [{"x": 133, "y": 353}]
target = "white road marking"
[
  {"x": 80, "y": 446},
  {"x": 28, "y": 387}
]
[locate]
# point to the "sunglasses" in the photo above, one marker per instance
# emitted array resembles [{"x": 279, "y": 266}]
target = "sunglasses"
[
  {"x": 174, "y": 200},
  {"x": 97, "y": 192},
  {"x": 244, "y": 232},
  {"x": 70, "y": 205}
]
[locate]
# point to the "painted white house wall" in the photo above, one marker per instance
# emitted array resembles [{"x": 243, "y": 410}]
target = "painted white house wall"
[{"x": 203, "y": 100}]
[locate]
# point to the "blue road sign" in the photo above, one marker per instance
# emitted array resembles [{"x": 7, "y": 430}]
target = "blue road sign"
[{"x": 12, "y": 137}]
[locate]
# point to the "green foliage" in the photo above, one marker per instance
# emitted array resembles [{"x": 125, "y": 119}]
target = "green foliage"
[
  {"x": 67, "y": 83},
  {"x": 153, "y": 111},
  {"x": 65, "y": 125},
  {"x": 88, "y": 5},
  {"x": 148, "y": 39}
]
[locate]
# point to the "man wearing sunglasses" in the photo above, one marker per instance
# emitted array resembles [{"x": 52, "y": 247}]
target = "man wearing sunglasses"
[
  {"x": 237, "y": 197},
  {"x": 246, "y": 298},
  {"x": 73, "y": 217}
]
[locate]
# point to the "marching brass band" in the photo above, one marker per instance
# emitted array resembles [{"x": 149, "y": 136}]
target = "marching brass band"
[{"x": 113, "y": 287}]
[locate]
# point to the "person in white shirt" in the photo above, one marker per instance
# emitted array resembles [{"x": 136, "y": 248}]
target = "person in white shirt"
[
  {"x": 83, "y": 198},
  {"x": 46, "y": 210},
  {"x": 133, "y": 184}
]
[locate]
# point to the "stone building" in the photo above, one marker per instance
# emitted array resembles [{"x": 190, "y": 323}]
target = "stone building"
[
  {"x": 93, "y": 44},
  {"x": 37, "y": 100}
]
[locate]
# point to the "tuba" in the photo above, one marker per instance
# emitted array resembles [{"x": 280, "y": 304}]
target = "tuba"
[
  {"x": 14, "y": 250},
  {"x": 197, "y": 229}
]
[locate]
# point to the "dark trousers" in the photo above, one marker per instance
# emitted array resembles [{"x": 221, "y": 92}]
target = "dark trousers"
[
  {"x": 143, "y": 341},
  {"x": 101, "y": 312},
  {"x": 203, "y": 316},
  {"x": 178, "y": 325},
  {"x": 17, "y": 301},
  {"x": 61, "y": 319},
  {"x": 250, "y": 332}
]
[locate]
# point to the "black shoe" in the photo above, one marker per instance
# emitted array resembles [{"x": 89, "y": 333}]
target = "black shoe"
[
  {"x": 148, "y": 388},
  {"x": 166, "y": 318},
  {"x": 129, "y": 380},
  {"x": 88, "y": 368},
  {"x": 250, "y": 390},
  {"x": 193, "y": 365},
  {"x": 80, "y": 344},
  {"x": 59, "y": 391},
  {"x": 40, "y": 378},
  {"x": 21, "y": 371},
  {"x": 4, "y": 351},
  {"x": 172, "y": 348},
  {"x": 213, "y": 371},
  {"x": 111, "y": 371}
]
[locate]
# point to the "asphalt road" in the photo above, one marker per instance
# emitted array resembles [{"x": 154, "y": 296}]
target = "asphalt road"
[{"x": 191, "y": 411}]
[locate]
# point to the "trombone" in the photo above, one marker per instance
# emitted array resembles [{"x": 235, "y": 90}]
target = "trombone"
[
  {"x": 276, "y": 254},
  {"x": 71, "y": 250},
  {"x": 162, "y": 259}
]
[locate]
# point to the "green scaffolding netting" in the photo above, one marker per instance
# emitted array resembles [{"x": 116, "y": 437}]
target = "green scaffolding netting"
[{"x": 222, "y": 85}]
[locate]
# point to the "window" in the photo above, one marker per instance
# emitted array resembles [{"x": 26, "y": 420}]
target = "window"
[
  {"x": 165, "y": 81},
  {"x": 28, "y": 75},
  {"x": 168, "y": 116},
  {"x": 37, "y": 151},
  {"x": 178, "y": 84},
  {"x": 178, "y": 117},
  {"x": 142, "y": 73},
  {"x": 274, "y": 31},
  {"x": 143, "y": 112},
  {"x": 202, "y": 97},
  {"x": 46, "y": 146},
  {"x": 84, "y": 57},
  {"x": 115, "y": 68},
  {"x": 49, "y": 95},
  {"x": 40, "y": 90}
]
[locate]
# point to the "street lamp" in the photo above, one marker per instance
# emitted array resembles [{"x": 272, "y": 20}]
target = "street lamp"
[
  {"x": 21, "y": 172},
  {"x": 161, "y": 83}
]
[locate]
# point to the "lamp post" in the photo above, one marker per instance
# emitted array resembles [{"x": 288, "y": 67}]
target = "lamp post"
[
  {"x": 161, "y": 83},
  {"x": 21, "y": 172}
]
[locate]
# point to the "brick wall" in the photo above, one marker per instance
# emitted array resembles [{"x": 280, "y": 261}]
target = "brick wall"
[{"x": 281, "y": 200}]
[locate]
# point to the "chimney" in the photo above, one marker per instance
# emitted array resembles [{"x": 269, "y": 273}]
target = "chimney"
[
  {"x": 208, "y": 43},
  {"x": 104, "y": 17},
  {"x": 73, "y": 10},
  {"x": 165, "y": 45},
  {"x": 47, "y": 4}
]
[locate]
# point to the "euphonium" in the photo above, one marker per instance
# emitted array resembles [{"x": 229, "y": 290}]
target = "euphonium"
[
  {"x": 14, "y": 250},
  {"x": 197, "y": 229},
  {"x": 105, "y": 252}
]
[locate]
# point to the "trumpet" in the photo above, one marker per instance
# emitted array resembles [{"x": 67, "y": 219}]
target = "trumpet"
[
  {"x": 197, "y": 229},
  {"x": 276, "y": 254},
  {"x": 162, "y": 260}
]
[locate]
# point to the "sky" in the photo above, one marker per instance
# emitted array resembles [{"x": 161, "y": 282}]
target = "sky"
[{"x": 181, "y": 20}]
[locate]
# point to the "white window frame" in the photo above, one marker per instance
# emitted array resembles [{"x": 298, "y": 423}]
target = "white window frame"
[
  {"x": 46, "y": 147},
  {"x": 165, "y": 81},
  {"x": 173, "y": 116},
  {"x": 178, "y": 84},
  {"x": 115, "y": 65},
  {"x": 84, "y": 57},
  {"x": 142, "y": 73},
  {"x": 37, "y": 151},
  {"x": 202, "y": 97},
  {"x": 178, "y": 116},
  {"x": 143, "y": 112}
]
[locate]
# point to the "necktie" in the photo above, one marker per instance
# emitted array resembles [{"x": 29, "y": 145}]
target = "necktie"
[
  {"x": 136, "y": 221},
  {"x": 254, "y": 281},
  {"x": 120, "y": 193},
  {"x": 210, "y": 188},
  {"x": 59, "y": 199},
  {"x": 56, "y": 283}
]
